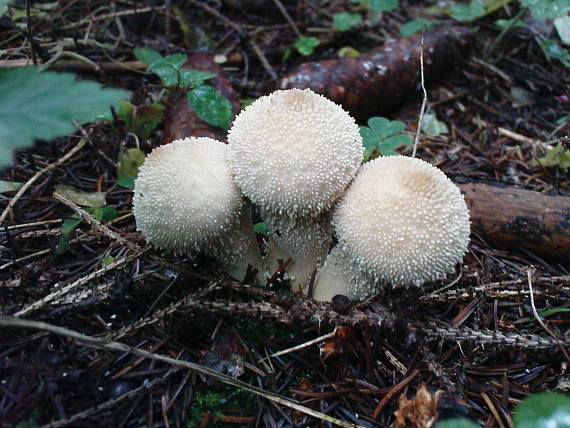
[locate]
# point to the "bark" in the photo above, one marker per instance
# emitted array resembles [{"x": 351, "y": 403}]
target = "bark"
[
  {"x": 180, "y": 121},
  {"x": 380, "y": 79},
  {"x": 516, "y": 218}
]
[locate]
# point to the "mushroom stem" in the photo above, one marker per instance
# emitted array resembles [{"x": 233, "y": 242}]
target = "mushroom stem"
[
  {"x": 334, "y": 277},
  {"x": 237, "y": 248},
  {"x": 305, "y": 241}
]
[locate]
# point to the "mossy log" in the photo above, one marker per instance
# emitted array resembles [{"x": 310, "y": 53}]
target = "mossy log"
[{"x": 514, "y": 218}]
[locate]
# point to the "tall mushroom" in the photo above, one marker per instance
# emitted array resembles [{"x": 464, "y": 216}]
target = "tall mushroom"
[
  {"x": 293, "y": 153},
  {"x": 185, "y": 200},
  {"x": 401, "y": 222}
]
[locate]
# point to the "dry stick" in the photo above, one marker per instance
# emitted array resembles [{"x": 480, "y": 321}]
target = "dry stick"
[
  {"x": 301, "y": 346},
  {"x": 287, "y": 17},
  {"x": 38, "y": 174},
  {"x": 113, "y": 15},
  {"x": 539, "y": 319},
  {"x": 424, "y": 101},
  {"x": 81, "y": 281},
  {"x": 121, "y": 347},
  {"x": 395, "y": 390},
  {"x": 95, "y": 223},
  {"x": 307, "y": 311},
  {"x": 110, "y": 403}
]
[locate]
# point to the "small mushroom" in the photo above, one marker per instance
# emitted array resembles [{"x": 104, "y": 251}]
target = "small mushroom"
[
  {"x": 401, "y": 222},
  {"x": 185, "y": 200},
  {"x": 293, "y": 153}
]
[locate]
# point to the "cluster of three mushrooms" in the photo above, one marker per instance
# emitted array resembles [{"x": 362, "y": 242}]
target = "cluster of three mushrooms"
[{"x": 293, "y": 154}]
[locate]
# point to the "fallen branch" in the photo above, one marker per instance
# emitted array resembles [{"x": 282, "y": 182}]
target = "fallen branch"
[{"x": 516, "y": 218}]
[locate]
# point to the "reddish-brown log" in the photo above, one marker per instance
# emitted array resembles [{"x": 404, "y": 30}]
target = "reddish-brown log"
[
  {"x": 508, "y": 217},
  {"x": 380, "y": 79},
  {"x": 180, "y": 120}
]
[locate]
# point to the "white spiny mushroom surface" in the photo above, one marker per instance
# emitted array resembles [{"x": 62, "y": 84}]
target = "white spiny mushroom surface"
[
  {"x": 184, "y": 195},
  {"x": 293, "y": 152},
  {"x": 402, "y": 222}
]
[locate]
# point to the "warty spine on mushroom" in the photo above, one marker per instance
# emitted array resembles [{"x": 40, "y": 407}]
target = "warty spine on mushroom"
[
  {"x": 401, "y": 222},
  {"x": 185, "y": 199},
  {"x": 293, "y": 153}
]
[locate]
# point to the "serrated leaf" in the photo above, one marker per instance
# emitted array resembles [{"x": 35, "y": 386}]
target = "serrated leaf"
[
  {"x": 128, "y": 167},
  {"x": 167, "y": 69},
  {"x": 547, "y": 9},
  {"x": 457, "y": 423},
  {"x": 44, "y": 105},
  {"x": 147, "y": 56},
  {"x": 85, "y": 199},
  {"x": 468, "y": 12},
  {"x": 9, "y": 186},
  {"x": 306, "y": 45},
  {"x": 433, "y": 127},
  {"x": 557, "y": 156},
  {"x": 345, "y": 21},
  {"x": 193, "y": 78},
  {"x": 382, "y": 5},
  {"x": 543, "y": 410},
  {"x": 67, "y": 228},
  {"x": 210, "y": 105}
]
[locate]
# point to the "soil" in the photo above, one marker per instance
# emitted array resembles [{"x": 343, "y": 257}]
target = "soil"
[{"x": 503, "y": 106}]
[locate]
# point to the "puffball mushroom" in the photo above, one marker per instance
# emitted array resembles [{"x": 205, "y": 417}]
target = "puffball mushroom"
[
  {"x": 293, "y": 153},
  {"x": 401, "y": 222},
  {"x": 185, "y": 200}
]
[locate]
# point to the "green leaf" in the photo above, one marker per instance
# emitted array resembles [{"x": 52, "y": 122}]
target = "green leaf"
[
  {"x": 507, "y": 23},
  {"x": 555, "y": 51},
  {"x": 345, "y": 21},
  {"x": 210, "y": 105},
  {"x": 128, "y": 167},
  {"x": 3, "y": 6},
  {"x": 547, "y": 9},
  {"x": 107, "y": 261},
  {"x": 103, "y": 214},
  {"x": 67, "y": 228},
  {"x": 433, "y": 127},
  {"x": 382, "y": 5},
  {"x": 412, "y": 27},
  {"x": 562, "y": 25},
  {"x": 167, "y": 69},
  {"x": 193, "y": 78},
  {"x": 306, "y": 45},
  {"x": 141, "y": 120},
  {"x": 261, "y": 228},
  {"x": 86, "y": 199},
  {"x": 468, "y": 12},
  {"x": 384, "y": 136},
  {"x": 543, "y": 410},
  {"x": 9, "y": 186},
  {"x": 44, "y": 105},
  {"x": 147, "y": 56},
  {"x": 557, "y": 156},
  {"x": 554, "y": 311},
  {"x": 457, "y": 423}
]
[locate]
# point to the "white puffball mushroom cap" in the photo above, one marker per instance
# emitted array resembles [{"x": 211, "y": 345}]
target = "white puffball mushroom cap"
[
  {"x": 293, "y": 152},
  {"x": 184, "y": 194},
  {"x": 402, "y": 222}
]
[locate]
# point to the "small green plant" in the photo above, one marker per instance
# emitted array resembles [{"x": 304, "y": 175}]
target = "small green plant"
[
  {"x": 468, "y": 12},
  {"x": 204, "y": 99},
  {"x": 28, "y": 95},
  {"x": 306, "y": 45},
  {"x": 140, "y": 120},
  {"x": 345, "y": 21},
  {"x": 128, "y": 166},
  {"x": 542, "y": 410},
  {"x": 383, "y": 137},
  {"x": 557, "y": 156}
]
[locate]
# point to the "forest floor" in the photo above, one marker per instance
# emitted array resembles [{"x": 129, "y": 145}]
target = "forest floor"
[{"x": 503, "y": 106}]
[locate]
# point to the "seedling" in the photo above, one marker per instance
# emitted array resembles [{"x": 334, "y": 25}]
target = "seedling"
[{"x": 383, "y": 137}]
